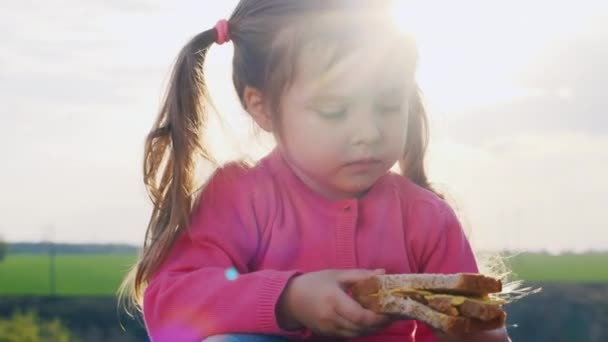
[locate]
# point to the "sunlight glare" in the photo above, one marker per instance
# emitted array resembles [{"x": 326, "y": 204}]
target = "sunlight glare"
[{"x": 475, "y": 53}]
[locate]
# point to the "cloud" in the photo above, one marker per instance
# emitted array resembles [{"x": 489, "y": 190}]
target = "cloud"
[
  {"x": 530, "y": 172},
  {"x": 578, "y": 62},
  {"x": 531, "y": 191},
  {"x": 80, "y": 84},
  {"x": 532, "y": 115},
  {"x": 562, "y": 90}
]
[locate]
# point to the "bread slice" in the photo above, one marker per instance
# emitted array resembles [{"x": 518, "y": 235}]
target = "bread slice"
[
  {"x": 461, "y": 283},
  {"x": 410, "y": 309}
]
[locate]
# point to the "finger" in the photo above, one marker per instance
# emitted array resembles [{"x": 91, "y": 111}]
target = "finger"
[
  {"x": 342, "y": 323},
  {"x": 352, "y": 311},
  {"x": 347, "y": 333},
  {"x": 339, "y": 327},
  {"x": 346, "y": 328},
  {"x": 349, "y": 277}
]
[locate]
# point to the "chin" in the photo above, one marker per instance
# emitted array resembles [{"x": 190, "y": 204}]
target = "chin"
[{"x": 356, "y": 187}]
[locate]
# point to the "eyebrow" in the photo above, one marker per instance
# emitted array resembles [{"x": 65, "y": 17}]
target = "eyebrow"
[{"x": 328, "y": 95}]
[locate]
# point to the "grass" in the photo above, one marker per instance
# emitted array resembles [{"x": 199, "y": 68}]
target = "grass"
[
  {"x": 565, "y": 268},
  {"x": 78, "y": 275},
  {"x": 100, "y": 275}
]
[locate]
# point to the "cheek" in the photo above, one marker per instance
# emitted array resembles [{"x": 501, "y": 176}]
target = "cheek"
[
  {"x": 304, "y": 129},
  {"x": 308, "y": 141},
  {"x": 395, "y": 132}
]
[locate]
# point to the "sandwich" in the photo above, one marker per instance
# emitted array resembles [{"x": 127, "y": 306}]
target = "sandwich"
[{"x": 453, "y": 303}]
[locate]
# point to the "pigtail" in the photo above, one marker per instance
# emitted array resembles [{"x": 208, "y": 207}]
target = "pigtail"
[{"x": 172, "y": 149}]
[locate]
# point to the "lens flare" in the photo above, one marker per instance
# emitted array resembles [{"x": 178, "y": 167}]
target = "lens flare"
[{"x": 232, "y": 273}]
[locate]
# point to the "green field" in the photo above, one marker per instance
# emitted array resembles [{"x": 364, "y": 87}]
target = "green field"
[
  {"x": 78, "y": 275},
  {"x": 82, "y": 275},
  {"x": 568, "y": 268}
]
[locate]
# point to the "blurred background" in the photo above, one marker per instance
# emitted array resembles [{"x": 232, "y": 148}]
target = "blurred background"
[{"x": 519, "y": 143}]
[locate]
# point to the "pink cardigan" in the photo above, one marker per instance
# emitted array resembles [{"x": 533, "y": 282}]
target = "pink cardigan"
[{"x": 255, "y": 228}]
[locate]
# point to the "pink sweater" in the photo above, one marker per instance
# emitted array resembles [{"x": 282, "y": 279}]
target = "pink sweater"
[{"x": 266, "y": 224}]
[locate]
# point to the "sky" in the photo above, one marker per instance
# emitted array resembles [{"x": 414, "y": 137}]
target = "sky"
[{"x": 514, "y": 90}]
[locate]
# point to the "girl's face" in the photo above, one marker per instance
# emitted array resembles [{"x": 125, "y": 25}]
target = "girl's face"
[{"x": 342, "y": 128}]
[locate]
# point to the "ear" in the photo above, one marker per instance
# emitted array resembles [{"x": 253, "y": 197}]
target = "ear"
[{"x": 256, "y": 105}]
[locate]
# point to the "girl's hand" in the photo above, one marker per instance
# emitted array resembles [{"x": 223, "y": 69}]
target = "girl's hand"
[{"x": 318, "y": 301}]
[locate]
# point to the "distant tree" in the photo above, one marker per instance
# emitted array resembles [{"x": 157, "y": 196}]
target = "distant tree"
[
  {"x": 3, "y": 249},
  {"x": 28, "y": 327}
]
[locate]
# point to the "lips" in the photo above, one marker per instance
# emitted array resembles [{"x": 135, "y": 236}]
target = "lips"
[
  {"x": 365, "y": 161},
  {"x": 364, "y": 164}
]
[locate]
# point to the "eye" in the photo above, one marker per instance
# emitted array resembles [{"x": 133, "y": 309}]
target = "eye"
[{"x": 332, "y": 113}]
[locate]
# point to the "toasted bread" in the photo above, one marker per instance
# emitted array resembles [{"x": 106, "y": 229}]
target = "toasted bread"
[{"x": 455, "y": 303}]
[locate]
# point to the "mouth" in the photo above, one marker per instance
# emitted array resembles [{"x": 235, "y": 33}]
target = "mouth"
[
  {"x": 364, "y": 164},
  {"x": 365, "y": 161}
]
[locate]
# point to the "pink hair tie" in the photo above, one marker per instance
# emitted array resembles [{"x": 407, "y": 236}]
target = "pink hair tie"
[{"x": 223, "y": 35}]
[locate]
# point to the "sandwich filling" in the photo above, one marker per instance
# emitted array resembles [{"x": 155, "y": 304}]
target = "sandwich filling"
[{"x": 484, "y": 308}]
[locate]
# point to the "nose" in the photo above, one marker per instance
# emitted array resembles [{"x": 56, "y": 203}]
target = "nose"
[{"x": 366, "y": 129}]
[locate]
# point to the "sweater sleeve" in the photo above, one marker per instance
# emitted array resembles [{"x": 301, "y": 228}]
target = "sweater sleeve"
[
  {"x": 205, "y": 287},
  {"x": 448, "y": 249}
]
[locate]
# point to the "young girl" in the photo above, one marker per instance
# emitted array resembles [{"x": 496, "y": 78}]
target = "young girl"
[{"x": 267, "y": 252}]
